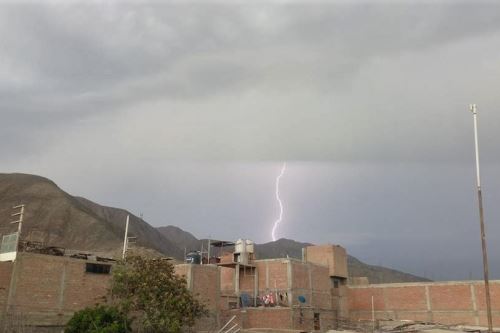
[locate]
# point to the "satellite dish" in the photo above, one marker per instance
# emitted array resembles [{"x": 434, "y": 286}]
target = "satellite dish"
[{"x": 301, "y": 299}]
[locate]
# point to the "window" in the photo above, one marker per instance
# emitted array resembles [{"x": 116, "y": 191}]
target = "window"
[
  {"x": 97, "y": 268},
  {"x": 337, "y": 282},
  {"x": 317, "y": 325}
]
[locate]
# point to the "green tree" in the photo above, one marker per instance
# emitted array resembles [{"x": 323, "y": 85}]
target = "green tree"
[
  {"x": 151, "y": 289},
  {"x": 99, "y": 319}
]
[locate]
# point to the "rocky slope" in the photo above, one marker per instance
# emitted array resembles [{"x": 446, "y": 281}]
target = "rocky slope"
[{"x": 58, "y": 219}]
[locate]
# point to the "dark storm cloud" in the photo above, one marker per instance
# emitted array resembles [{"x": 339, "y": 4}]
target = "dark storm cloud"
[
  {"x": 76, "y": 60},
  {"x": 119, "y": 93}
]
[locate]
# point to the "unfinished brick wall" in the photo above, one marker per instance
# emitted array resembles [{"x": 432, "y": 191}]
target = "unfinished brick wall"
[
  {"x": 278, "y": 318},
  {"x": 289, "y": 278},
  {"x": 312, "y": 282},
  {"x": 333, "y": 256},
  {"x": 276, "y": 273},
  {"x": 443, "y": 302},
  {"x": 281, "y": 318},
  {"x": 204, "y": 282},
  {"x": 46, "y": 290},
  {"x": 303, "y": 319},
  {"x": 271, "y": 275},
  {"x": 227, "y": 279},
  {"x": 5, "y": 273}
]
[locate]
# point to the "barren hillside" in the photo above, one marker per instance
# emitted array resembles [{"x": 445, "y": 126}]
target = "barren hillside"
[{"x": 59, "y": 219}]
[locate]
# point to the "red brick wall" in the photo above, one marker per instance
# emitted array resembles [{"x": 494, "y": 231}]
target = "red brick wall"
[
  {"x": 451, "y": 297},
  {"x": 405, "y": 298},
  {"x": 443, "y": 302},
  {"x": 333, "y": 256},
  {"x": 494, "y": 295},
  {"x": 247, "y": 280},
  {"x": 278, "y": 274},
  {"x": 280, "y": 318},
  {"x": 205, "y": 284},
  {"x": 300, "y": 276},
  {"x": 303, "y": 319},
  {"x": 320, "y": 278},
  {"x": 5, "y": 273},
  {"x": 227, "y": 279},
  {"x": 268, "y": 318},
  {"x": 48, "y": 289},
  {"x": 261, "y": 269},
  {"x": 495, "y": 302}
]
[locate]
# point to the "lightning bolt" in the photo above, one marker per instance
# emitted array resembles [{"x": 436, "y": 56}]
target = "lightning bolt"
[{"x": 277, "y": 191}]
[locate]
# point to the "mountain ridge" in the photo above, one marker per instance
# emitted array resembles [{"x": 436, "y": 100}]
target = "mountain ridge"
[{"x": 56, "y": 218}]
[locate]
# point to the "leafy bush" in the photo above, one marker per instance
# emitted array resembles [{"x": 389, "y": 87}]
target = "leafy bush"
[
  {"x": 151, "y": 289},
  {"x": 99, "y": 319}
]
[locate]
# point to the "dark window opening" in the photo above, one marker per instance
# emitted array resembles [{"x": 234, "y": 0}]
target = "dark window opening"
[
  {"x": 317, "y": 325},
  {"x": 97, "y": 268},
  {"x": 337, "y": 282}
]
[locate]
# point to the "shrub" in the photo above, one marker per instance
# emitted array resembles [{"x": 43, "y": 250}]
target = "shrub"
[
  {"x": 151, "y": 289},
  {"x": 99, "y": 319}
]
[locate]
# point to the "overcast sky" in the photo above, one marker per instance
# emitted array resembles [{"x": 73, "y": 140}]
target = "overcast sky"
[{"x": 185, "y": 112}]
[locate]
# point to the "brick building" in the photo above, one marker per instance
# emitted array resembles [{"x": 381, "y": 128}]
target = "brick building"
[
  {"x": 304, "y": 294},
  {"x": 43, "y": 291},
  {"x": 450, "y": 302}
]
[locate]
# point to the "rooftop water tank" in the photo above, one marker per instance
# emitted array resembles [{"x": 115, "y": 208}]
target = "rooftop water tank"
[{"x": 244, "y": 245}]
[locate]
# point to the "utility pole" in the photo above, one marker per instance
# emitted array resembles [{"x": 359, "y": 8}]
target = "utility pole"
[
  {"x": 125, "y": 239},
  {"x": 20, "y": 213},
  {"x": 481, "y": 222},
  {"x": 373, "y": 315}
]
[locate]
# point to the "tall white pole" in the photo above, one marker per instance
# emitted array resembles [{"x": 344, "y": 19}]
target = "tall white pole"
[
  {"x": 481, "y": 222},
  {"x": 125, "y": 239}
]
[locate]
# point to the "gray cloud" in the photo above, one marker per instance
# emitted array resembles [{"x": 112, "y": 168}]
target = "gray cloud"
[{"x": 375, "y": 92}]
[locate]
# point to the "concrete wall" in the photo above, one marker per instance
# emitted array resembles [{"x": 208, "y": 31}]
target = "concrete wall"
[{"x": 442, "y": 302}]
